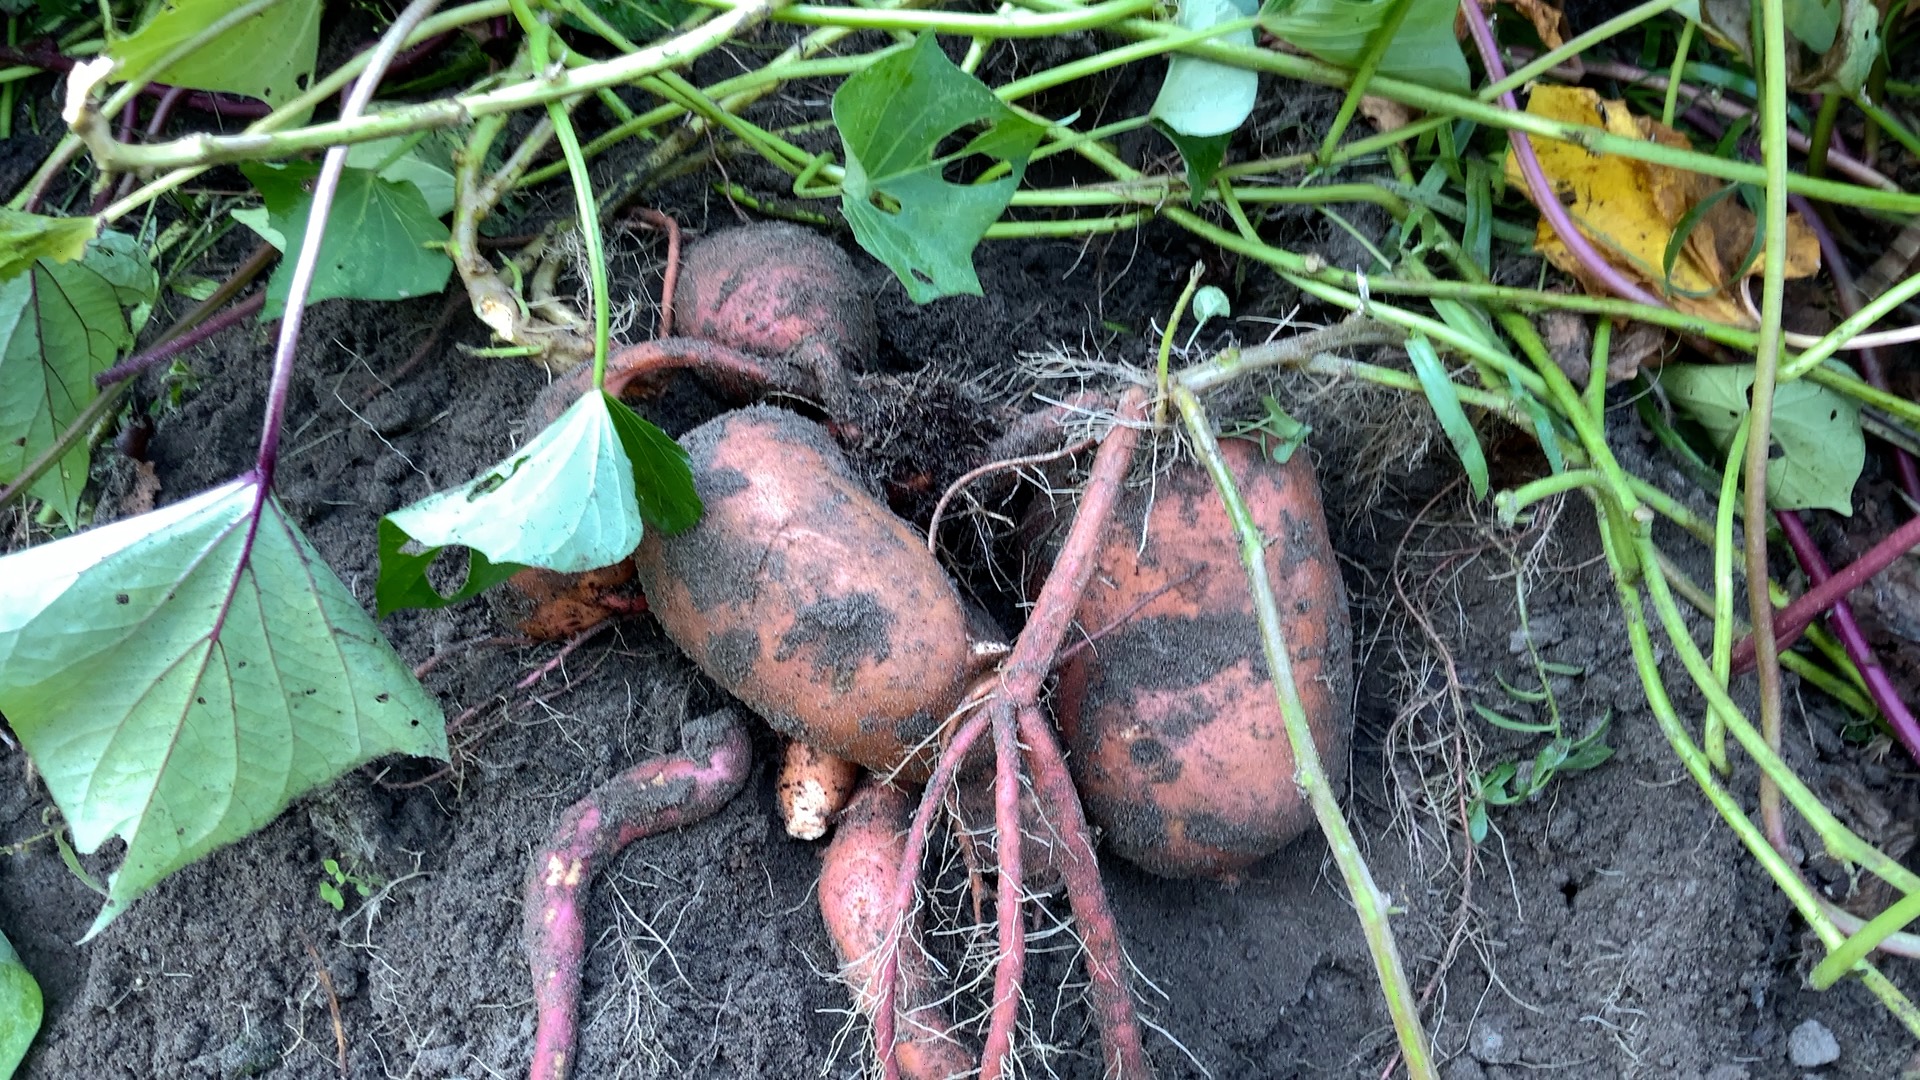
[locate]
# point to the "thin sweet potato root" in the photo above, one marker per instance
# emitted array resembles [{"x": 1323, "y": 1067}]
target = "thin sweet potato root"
[
  {"x": 1011, "y": 712},
  {"x": 856, "y": 878},
  {"x": 653, "y": 797}
]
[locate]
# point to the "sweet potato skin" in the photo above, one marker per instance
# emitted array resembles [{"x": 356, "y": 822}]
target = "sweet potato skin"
[
  {"x": 857, "y": 876},
  {"x": 1177, "y": 742},
  {"x": 802, "y": 595},
  {"x": 777, "y": 290}
]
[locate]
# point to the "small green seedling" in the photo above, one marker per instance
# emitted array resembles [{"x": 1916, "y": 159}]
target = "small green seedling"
[
  {"x": 1278, "y": 433},
  {"x": 1518, "y": 781},
  {"x": 333, "y": 888}
]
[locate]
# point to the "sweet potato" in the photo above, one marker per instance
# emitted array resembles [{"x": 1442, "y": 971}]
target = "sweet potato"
[
  {"x": 801, "y": 594},
  {"x": 778, "y": 291},
  {"x": 1177, "y": 742},
  {"x": 813, "y": 788},
  {"x": 857, "y": 877}
]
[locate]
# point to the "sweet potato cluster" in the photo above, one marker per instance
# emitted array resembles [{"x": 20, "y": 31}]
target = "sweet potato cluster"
[{"x": 802, "y": 595}]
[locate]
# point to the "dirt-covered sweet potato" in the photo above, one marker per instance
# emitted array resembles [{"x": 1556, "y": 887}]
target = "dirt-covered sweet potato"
[
  {"x": 802, "y": 594},
  {"x": 1177, "y": 742},
  {"x": 780, "y": 291}
]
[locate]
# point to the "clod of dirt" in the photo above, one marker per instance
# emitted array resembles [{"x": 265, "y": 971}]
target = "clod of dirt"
[{"x": 1812, "y": 1045}]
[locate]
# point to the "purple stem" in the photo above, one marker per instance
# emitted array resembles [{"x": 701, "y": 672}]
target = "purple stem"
[
  {"x": 167, "y": 350},
  {"x": 1837, "y": 157},
  {"x": 324, "y": 188},
  {"x": 1879, "y": 684},
  {"x": 1538, "y": 188},
  {"x": 1789, "y": 621},
  {"x": 1871, "y": 364},
  {"x": 43, "y": 54}
]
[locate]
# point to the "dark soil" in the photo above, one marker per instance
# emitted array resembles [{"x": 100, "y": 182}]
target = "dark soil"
[{"x": 1612, "y": 928}]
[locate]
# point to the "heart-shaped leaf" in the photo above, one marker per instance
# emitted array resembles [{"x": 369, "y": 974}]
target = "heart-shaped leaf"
[
  {"x": 61, "y": 324},
  {"x": 383, "y": 241},
  {"x": 1816, "y": 431},
  {"x": 1202, "y": 99},
  {"x": 181, "y": 676},
  {"x": 1339, "y": 31},
  {"x": 269, "y": 56},
  {"x": 25, "y": 237},
  {"x": 20, "y": 1008},
  {"x": 891, "y": 117},
  {"x": 576, "y": 497}
]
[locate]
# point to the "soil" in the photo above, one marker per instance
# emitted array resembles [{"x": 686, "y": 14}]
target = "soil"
[{"x": 1612, "y": 927}]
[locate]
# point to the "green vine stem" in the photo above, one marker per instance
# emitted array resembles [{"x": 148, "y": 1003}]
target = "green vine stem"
[
  {"x": 1166, "y": 342},
  {"x": 206, "y": 149},
  {"x": 1714, "y": 734},
  {"x": 1369, "y": 903}
]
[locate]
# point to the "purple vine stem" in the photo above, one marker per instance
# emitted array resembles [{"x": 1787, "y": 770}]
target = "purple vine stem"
[
  {"x": 1538, "y": 188},
  {"x": 324, "y": 188},
  {"x": 167, "y": 350},
  {"x": 1872, "y": 367},
  {"x": 1789, "y": 621},
  {"x": 1879, "y": 684}
]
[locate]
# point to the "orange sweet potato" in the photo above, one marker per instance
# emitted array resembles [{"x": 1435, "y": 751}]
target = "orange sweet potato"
[
  {"x": 801, "y": 594},
  {"x": 778, "y": 291},
  {"x": 1177, "y": 742}
]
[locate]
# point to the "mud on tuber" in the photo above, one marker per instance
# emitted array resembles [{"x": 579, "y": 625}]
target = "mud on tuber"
[{"x": 803, "y": 595}]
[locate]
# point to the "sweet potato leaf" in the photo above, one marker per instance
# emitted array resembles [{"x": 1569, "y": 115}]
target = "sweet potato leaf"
[
  {"x": 1200, "y": 98},
  {"x": 1446, "y": 409},
  {"x": 20, "y": 1007},
  {"x": 1338, "y": 31},
  {"x": 26, "y": 237},
  {"x": 891, "y": 117},
  {"x": 427, "y": 164},
  {"x": 577, "y": 496},
  {"x": 640, "y": 20},
  {"x": 269, "y": 56},
  {"x": 61, "y": 324},
  {"x": 181, "y": 676},
  {"x": 383, "y": 241},
  {"x": 1819, "y": 448}
]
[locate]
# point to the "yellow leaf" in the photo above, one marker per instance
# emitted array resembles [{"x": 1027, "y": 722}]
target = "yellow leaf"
[{"x": 1630, "y": 209}]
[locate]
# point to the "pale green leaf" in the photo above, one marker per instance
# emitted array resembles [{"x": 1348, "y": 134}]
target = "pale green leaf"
[
  {"x": 25, "y": 237},
  {"x": 20, "y": 1009},
  {"x": 891, "y": 116},
  {"x": 575, "y": 497},
  {"x": 382, "y": 242},
  {"x": 1816, "y": 431},
  {"x": 1445, "y": 400},
  {"x": 181, "y": 676},
  {"x": 270, "y": 56},
  {"x": 427, "y": 164},
  {"x": 61, "y": 324},
  {"x": 1210, "y": 303},
  {"x": 257, "y": 219},
  {"x": 1201, "y": 98},
  {"x": 1338, "y": 31}
]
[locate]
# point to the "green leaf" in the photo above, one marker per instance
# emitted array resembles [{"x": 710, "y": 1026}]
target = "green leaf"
[
  {"x": 1201, "y": 98},
  {"x": 1201, "y": 156},
  {"x": 573, "y": 498},
  {"x": 1816, "y": 431},
  {"x": 270, "y": 56},
  {"x": 383, "y": 242},
  {"x": 1477, "y": 820},
  {"x": 20, "y": 1008},
  {"x": 640, "y": 20},
  {"x": 332, "y": 895},
  {"x": 891, "y": 116},
  {"x": 1210, "y": 303},
  {"x": 1278, "y": 434},
  {"x": 403, "y": 581},
  {"x": 1502, "y": 720},
  {"x": 26, "y": 237},
  {"x": 61, "y": 324},
  {"x": 1446, "y": 408},
  {"x": 427, "y": 164},
  {"x": 1337, "y": 31},
  {"x": 181, "y": 676}
]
